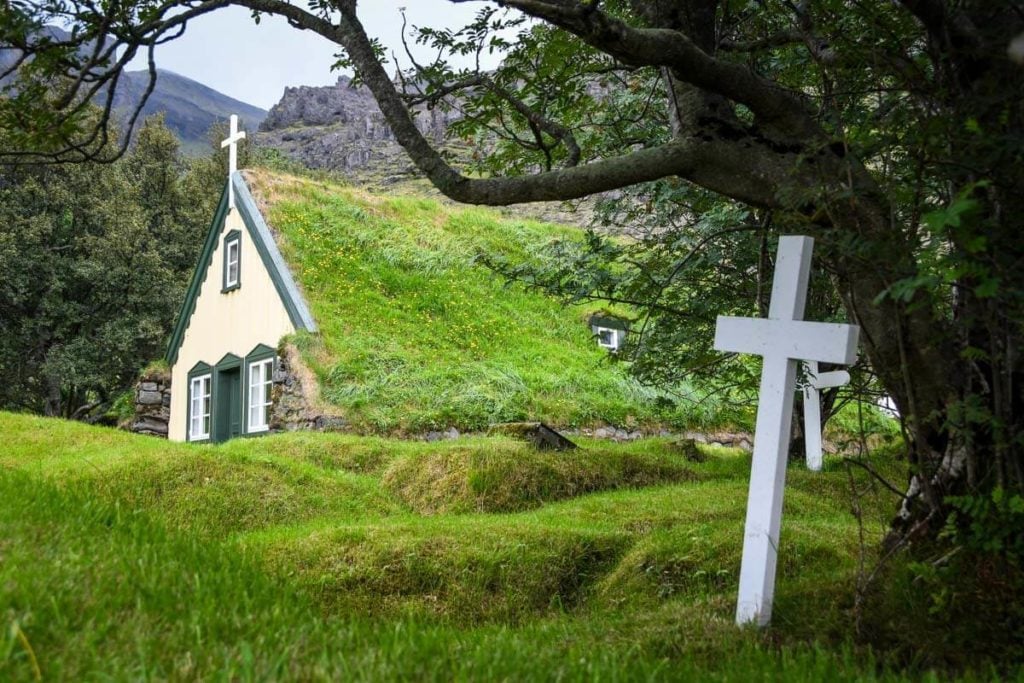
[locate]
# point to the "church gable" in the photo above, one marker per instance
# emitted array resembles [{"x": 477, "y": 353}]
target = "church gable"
[
  {"x": 241, "y": 301},
  {"x": 226, "y": 240}
]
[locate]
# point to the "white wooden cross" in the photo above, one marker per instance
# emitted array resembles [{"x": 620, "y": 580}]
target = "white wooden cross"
[
  {"x": 234, "y": 135},
  {"x": 816, "y": 381},
  {"x": 782, "y": 339}
]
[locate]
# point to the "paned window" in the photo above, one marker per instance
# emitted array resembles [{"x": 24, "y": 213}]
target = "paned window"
[
  {"x": 231, "y": 262},
  {"x": 199, "y": 408},
  {"x": 608, "y": 338},
  {"x": 261, "y": 381}
]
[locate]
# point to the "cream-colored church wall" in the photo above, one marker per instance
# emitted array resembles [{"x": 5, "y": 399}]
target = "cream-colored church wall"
[{"x": 232, "y": 322}]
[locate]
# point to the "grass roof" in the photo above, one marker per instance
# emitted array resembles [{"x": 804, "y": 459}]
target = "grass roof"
[{"x": 415, "y": 335}]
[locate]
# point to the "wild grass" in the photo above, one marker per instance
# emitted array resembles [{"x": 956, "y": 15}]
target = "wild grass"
[
  {"x": 88, "y": 593},
  {"x": 415, "y": 335},
  {"x": 290, "y": 557},
  {"x": 501, "y": 475}
]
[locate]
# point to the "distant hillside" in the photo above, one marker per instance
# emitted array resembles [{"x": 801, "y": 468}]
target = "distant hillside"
[
  {"x": 190, "y": 108},
  {"x": 341, "y": 128}
]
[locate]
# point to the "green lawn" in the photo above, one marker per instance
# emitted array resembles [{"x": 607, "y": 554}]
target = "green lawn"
[
  {"x": 329, "y": 557},
  {"x": 415, "y": 335}
]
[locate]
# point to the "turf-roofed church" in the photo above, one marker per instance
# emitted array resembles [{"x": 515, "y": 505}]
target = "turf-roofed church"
[
  {"x": 241, "y": 301},
  {"x": 413, "y": 334}
]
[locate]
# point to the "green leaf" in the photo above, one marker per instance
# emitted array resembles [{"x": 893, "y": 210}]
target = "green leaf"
[{"x": 988, "y": 288}]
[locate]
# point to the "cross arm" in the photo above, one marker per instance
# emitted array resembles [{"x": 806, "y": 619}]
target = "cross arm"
[
  {"x": 830, "y": 380},
  {"x": 796, "y": 339},
  {"x": 234, "y": 138}
]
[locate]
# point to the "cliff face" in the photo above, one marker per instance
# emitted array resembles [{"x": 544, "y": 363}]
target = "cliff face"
[{"x": 341, "y": 128}]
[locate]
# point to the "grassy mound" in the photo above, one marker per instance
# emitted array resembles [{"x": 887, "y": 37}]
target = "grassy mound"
[
  {"x": 88, "y": 593},
  {"x": 464, "y": 570},
  {"x": 508, "y": 476},
  {"x": 415, "y": 336},
  {"x": 213, "y": 489},
  {"x": 288, "y": 558}
]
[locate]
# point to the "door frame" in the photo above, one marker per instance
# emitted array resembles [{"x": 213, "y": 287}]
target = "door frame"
[{"x": 226, "y": 364}]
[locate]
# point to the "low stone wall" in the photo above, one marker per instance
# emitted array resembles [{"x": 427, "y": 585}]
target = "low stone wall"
[
  {"x": 152, "y": 404},
  {"x": 731, "y": 439},
  {"x": 296, "y": 403}
]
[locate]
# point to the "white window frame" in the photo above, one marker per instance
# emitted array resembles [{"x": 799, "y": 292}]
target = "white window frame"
[
  {"x": 260, "y": 381},
  {"x": 200, "y": 396},
  {"x": 229, "y": 263},
  {"x": 614, "y": 345}
]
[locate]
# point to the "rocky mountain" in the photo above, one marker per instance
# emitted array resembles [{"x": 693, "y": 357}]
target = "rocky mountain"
[
  {"x": 341, "y": 128},
  {"x": 190, "y": 108}
]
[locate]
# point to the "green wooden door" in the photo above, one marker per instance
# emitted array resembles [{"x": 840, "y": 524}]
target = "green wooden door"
[{"x": 228, "y": 418}]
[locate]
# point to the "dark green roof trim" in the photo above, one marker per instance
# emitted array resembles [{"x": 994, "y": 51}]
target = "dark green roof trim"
[
  {"x": 228, "y": 360},
  {"x": 294, "y": 303},
  {"x": 188, "y": 306},
  {"x": 262, "y": 351},
  {"x": 292, "y": 299}
]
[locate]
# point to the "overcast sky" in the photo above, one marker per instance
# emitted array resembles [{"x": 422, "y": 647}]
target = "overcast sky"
[{"x": 227, "y": 51}]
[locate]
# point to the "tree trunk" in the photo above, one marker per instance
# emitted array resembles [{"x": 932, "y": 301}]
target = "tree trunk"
[{"x": 52, "y": 406}]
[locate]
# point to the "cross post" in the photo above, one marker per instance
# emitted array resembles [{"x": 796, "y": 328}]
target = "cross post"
[
  {"x": 234, "y": 135},
  {"x": 782, "y": 339},
  {"x": 816, "y": 381}
]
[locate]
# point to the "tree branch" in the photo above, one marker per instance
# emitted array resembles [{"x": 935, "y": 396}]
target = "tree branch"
[
  {"x": 788, "y": 36},
  {"x": 747, "y": 173},
  {"x": 774, "y": 106},
  {"x": 533, "y": 117},
  {"x": 95, "y": 77},
  {"x": 947, "y": 27}
]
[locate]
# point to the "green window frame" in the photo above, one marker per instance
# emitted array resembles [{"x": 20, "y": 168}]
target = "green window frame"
[
  {"x": 232, "y": 266},
  {"x": 258, "y": 383},
  {"x": 199, "y": 377}
]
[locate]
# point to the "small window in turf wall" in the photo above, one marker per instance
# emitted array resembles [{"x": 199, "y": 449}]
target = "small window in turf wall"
[{"x": 609, "y": 331}]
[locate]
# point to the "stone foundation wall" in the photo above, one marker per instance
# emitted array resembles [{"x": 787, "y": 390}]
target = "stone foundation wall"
[
  {"x": 741, "y": 440},
  {"x": 296, "y": 404},
  {"x": 152, "y": 404}
]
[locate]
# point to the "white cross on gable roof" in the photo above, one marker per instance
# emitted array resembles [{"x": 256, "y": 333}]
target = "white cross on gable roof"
[
  {"x": 782, "y": 339},
  {"x": 234, "y": 135}
]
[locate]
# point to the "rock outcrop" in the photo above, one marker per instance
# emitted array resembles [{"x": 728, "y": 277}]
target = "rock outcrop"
[{"x": 341, "y": 128}]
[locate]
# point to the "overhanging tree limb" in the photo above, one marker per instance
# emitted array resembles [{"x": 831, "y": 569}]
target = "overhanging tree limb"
[
  {"x": 719, "y": 165},
  {"x": 775, "y": 106}
]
